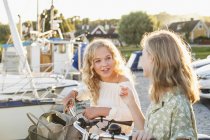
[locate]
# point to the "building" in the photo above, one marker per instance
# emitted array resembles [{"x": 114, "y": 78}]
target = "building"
[
  {"x": 100, "y": 31},
  {"x": 190, "y": 30}
]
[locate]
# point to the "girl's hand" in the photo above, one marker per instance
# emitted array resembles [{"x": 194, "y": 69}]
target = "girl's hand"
[
  {"x": 91, "y": 113},
  {"x": 69, "y": 100},
  {"x": 142, "y": 135},
  {"x": 94, "y": 112},
  {"x": 127, "y": 95}
]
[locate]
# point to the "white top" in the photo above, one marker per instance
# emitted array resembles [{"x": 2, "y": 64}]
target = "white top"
[{"x": 109, "y": 97}]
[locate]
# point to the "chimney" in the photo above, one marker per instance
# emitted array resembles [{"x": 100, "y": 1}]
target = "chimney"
[{"x": 191, "y": 19}]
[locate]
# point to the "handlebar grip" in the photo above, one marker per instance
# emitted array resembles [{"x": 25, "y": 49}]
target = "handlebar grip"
[
  {"x": 130, "y": 138},
  {"x": 129, "y": 123},
  {"x": 84, "y": 123}
]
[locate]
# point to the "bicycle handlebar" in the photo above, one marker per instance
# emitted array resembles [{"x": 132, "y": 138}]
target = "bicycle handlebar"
[{"x": 91, "y": 136}]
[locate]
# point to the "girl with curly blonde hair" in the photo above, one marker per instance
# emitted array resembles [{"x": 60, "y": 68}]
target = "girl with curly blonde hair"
[{"x": 104, "y": 72}]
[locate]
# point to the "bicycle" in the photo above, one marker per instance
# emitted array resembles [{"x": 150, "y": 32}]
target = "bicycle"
[{"x": 111, "y": 131}]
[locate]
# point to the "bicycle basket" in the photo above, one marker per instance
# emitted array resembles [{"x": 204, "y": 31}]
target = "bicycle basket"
[{"x": 33, "y": 135}]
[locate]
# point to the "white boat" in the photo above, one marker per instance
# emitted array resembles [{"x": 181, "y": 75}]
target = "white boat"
[
  {"x": 200, "y": 63},
  {"x": 205, "y": 88},
  {"x": 203, "y": 74},
  {"x": 22, "y": 91},
  {"x": 14, "y": 121}
]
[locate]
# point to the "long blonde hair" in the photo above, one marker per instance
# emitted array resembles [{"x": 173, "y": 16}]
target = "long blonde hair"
[
  {"x": 90, "y": 77},
  {"x": 172, "y": 65}
]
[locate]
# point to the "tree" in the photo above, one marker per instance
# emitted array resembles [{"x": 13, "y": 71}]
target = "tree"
[
  {"x": 85, "y": 21},
  {"x": 4, "y": 33},
  {"x": 26, "y": 34},
  {"x": 66, "y": 25},
  {"x": 156, "y": 23},
  {"x": 133, "y": 26}
]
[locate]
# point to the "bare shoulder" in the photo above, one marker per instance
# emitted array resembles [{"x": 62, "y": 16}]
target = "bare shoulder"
[{"x": 122, "y": 78}]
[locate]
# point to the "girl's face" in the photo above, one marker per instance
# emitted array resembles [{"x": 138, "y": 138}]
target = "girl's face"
[
  {"x": 147, "y": 63},
  {"x": 103, "y": 64}
]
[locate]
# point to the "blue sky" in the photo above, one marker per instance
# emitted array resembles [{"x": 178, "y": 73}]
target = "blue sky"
[{"x": 104, "y": 9}]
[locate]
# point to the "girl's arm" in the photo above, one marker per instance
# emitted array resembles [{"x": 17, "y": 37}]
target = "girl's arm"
[
  {"x": 129, "y": 98},
  {"x": 81, "y": 94}
]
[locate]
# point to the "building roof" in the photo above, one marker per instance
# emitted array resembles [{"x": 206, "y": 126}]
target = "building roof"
[
  {"x": 100, "y": 29},
  {"x": 186, "y": 26}
]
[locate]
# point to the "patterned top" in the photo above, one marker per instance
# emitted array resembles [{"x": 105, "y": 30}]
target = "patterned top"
[{"x": 172, "y": 118}]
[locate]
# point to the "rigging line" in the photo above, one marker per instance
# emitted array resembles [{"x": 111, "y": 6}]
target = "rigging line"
[
  {"x": 24, "y": 93},
  {"x": 32, "y": 88},
  {"x": 13, "y": 84},
  {"x": 45, "y": 93},
  {"x": 27, "y": 84}
]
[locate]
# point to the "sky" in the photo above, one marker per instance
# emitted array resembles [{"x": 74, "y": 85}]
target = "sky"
[{"x": 103, "y": 9}]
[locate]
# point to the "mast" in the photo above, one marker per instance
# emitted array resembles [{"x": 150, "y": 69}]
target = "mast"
[
  {"x": 18, "y": 44},
  {"x": 37, "y": 25},
  {"x": 51, "y": 16}
]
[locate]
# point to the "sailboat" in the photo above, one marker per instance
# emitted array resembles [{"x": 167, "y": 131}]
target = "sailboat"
[{"x": 21, "y": 91}]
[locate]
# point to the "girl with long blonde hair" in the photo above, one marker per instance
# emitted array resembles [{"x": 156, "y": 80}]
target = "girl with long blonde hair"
[
  {"x": 166, "y": 61},
  {"x": 103, "y": 73}
]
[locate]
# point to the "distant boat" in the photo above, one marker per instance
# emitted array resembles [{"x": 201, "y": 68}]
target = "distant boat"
[{"x": 201, "y": 62}]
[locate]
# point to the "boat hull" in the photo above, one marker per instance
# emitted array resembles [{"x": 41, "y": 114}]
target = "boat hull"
[{"x": 15, "y": 123}]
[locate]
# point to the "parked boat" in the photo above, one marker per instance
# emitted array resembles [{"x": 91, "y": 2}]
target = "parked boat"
[
  {"x": 205, "y": 88},
  {"x": 200, "y": 63},
  {"x": 28, "y": 87},
  {"x": 203, "y": 74}
]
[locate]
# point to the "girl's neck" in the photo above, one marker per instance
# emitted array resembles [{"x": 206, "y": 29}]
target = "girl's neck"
[{"x": 114, "y": 78}]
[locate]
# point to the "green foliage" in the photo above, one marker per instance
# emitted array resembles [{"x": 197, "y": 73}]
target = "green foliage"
[
  {"x": 156, "y": 23},
  {"x": 127, "y": 50},
  {"x": 133, "y": 26},
  {"x": 4, "y": 33},
  {"x": 201, "y": 52},
  {"x": 47, "y": 20},
  {"x": 66, "y": 25},
  {"x": 26, "y": 34}
]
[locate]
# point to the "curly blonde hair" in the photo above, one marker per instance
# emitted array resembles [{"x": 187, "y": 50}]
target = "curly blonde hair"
[
  {"x": 172, "y": 65},
  {"x": 90, "y": 77}
]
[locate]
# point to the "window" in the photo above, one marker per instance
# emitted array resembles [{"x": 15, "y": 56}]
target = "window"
[
  {"x": 179, "y": 27},
  {"x": 200, "y": 26}
]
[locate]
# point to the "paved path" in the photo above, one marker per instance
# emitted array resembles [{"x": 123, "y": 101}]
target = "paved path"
[{"x": 202, "y": 113}]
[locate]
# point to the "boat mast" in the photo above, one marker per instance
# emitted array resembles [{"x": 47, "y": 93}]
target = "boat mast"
[
  {"x": 37, "y": 28},
  {"x": 51, "y": 16},
  {"x": 18, "y": 45}
]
